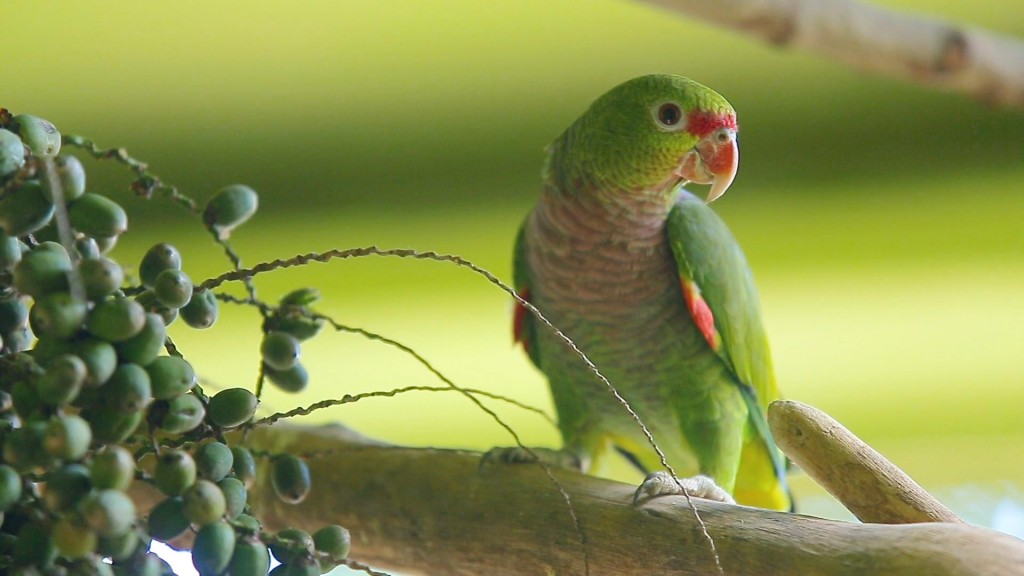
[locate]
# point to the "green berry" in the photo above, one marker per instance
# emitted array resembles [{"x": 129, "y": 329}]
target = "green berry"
[
  {"x": 294, "y": 379},
  {"x": 46, "y": 349},
  {"x": 26, "y": 401},
  {"x": 23, "y": 447},
  {"x": 173, "y": 288},
  {"x": 52, "y": 246},
  {"x": 67, "y": 437},
  {"x": 41, "y": 136},
  {"x": 249, "y": 557},
  {"x": 13, "y": 315},
  {"x": 112, "y": 468},
  {"x": 108, "y": 512},
  {"x": 213, "y": 461},
  {"x": 167, "y": 519},
  {"x": 71, "y": 174},
  {"x": 100, "y": 276},
  {"x": 116, "y": 320},
  {"x": 144, "y": 348},
  {"x": 292, "y": 543},
  {"x": 128, "y": 389},
  {"x": 300, "y": 297},
  {"x": 248, "y": 524},
  {"x": 213, "y": 547},
  {"x": 280, "y": 350},
  {"x": 232, "y": 407},
  {"x": 73, "y": 538},
  {"x": 229, "y": 208},
  {"x": 6, "y": 401},
  {"x": 34, "y": 546},
  {"x": 290, "y": 478},
  {"x": 160, "y": 257},
  {"x": 63, "y": 380},
  {"x": 25, "y": 209},
  {"x": 57, "y": 315},
  {"x": 66, "y": 487},
  {"x": 88, "y": 248},
  {"x": 179, "y": 414},
  {"x": 201, "y": 310},
  {"x": 170, "y": 376},
  {"x": 293, "y": 316},
  {"x": 42, "y": 272},
  {"x": 10, "y": 251},
  {"x": 175, "y": 472},
  {"x": 111, "y": 425},
  {"x": 97, "y": 216},
  {"x": 235, "y": 496},
  {"x": 12, "y": 153},
  {"x": 334, "y": 541},
  {"x": 296, "y": 322},
  {"x": 204, "y": 503},
  {"x": 10, "y": 487},
  {"x": 100, "y": 358},
  {"x": 18, "y": 340},
  {"x": 243, "y": 465}
]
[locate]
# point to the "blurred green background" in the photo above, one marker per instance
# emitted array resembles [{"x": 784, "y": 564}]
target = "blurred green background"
[{"x": 883, "y": 220}]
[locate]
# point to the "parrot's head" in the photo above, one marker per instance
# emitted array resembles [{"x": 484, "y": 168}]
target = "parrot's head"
[{"x": 648, "y": 135}]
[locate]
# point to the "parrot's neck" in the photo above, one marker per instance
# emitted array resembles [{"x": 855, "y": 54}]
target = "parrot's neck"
[{"x": 614, "y": 215}]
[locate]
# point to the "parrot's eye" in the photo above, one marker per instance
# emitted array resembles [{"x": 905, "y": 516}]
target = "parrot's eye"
[{"x": 669, "y": 116}]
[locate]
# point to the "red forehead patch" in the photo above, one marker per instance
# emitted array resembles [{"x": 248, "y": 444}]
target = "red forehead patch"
[{"x": 701, "y": 123}]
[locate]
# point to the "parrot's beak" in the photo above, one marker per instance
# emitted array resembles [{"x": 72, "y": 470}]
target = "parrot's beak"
[{"x": 714, "y": 160}]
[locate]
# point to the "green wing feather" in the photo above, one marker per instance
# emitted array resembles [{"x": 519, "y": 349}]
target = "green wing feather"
[{"x": 710, "y": 259}]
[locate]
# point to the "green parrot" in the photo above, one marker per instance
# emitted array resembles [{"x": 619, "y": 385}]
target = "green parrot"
[{"x": 649, "y": 283}]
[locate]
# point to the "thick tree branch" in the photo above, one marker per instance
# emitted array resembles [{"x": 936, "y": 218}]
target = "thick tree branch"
[
  {"x": 976, "y": 62},
  {"x": 427, "y": 511}
]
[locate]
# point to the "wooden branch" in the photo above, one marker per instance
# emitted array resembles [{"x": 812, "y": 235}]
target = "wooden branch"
[
  {"x": 972, "y": 61},
  {"x": 870, "y": 486},
  {"x": 428, "y": 511}
]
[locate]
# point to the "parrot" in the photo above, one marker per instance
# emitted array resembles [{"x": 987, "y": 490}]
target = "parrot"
[{"x": 647, "y": 280}]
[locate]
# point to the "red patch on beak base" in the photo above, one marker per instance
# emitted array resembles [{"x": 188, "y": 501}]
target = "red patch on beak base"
[{"x": 701, "y": 123}]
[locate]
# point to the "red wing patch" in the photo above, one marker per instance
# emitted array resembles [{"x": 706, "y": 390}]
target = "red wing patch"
[
  {"x": 701, "y": 314},
  {"x": 519, "y": 319}
]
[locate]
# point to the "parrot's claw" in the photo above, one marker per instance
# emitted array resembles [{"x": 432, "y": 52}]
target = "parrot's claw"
[
  {"x": 523, "y": 455},
  {"x": 664, "y": 484}
]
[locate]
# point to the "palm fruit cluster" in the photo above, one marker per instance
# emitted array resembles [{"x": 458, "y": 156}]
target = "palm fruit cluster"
[
  {"x": 290, "y": 324},
  {"x": 91, "y": 401}
]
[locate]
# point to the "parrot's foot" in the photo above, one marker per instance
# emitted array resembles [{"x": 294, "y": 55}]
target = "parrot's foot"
[
  {"x": 664, "y": 484},
  {"x": 523, "y": 455}
]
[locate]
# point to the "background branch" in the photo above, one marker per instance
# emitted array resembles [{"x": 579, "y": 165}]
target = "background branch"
[{"x": 986, "y": 66}]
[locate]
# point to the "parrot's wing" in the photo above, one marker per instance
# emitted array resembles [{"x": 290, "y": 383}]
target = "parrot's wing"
[
  {"x": 524, "y": 325},
  {"x": 719, "y": 291}
]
